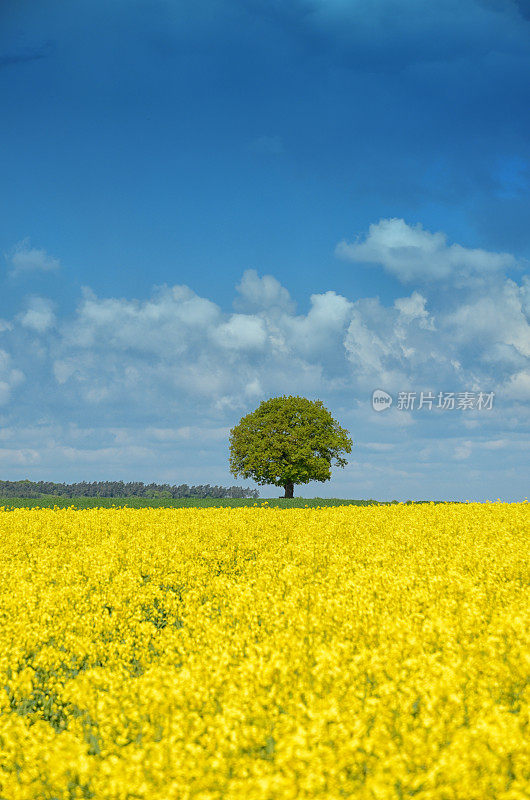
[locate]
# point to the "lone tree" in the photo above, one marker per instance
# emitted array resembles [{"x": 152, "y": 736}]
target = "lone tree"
[{"x": 288, "y": 440}]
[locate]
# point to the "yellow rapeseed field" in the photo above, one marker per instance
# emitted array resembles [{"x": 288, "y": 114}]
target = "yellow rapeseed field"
[{"x": 263, "y": 654}]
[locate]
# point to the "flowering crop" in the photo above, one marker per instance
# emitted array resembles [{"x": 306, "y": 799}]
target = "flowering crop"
[{"x": 376, "y": 652}]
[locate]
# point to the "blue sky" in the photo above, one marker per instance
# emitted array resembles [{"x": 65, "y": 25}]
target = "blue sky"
[{"x": 205, "y": 204}]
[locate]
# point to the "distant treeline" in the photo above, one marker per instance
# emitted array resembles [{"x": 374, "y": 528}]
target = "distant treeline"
[{"x": 121, "y": 489}]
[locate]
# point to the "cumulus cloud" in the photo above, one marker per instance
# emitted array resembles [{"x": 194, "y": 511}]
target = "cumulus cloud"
[
  {"x": 481, "y": 344},
  {"x": 411, "y": 253},
  {"x": 241, "y": 332},
  {"x": 517, "y": 387},
  {"x": 258, "y": 294},
  {"x": 10, "y": 377},
  {"x": 176, "y": 364},
  {"x": 39, "y": 315},
  {"x": 166, "y": 323},
  {"x": 180, "y": 346},
  {"x": 394, "y": 344},
  {"x": 24, "y": 258},
  {"x": 493, "y": 330},
  {"x": 177, "y": 344},
  {"x": 320, "y": 331},
  {"x": 413, "y": 307}
]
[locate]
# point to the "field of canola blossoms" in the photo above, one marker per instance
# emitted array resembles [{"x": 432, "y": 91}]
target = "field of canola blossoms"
[{"x": 377, "y": 652}]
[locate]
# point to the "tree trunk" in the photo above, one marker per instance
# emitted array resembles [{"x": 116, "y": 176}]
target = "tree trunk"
[{"x": 289, "y": 489}]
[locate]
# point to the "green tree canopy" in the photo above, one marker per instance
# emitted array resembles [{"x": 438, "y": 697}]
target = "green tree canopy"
[{"x": 288, "y": 440}]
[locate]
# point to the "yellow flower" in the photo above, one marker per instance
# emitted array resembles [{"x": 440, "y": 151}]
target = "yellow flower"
[{"x": 170, "y": 654}]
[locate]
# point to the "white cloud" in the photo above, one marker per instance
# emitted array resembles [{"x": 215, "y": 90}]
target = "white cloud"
[
  {"x": 391, "y": 346},
  {"x": 63, "y": 369},
  {"x": 321, "y": 329},
  {"x": 24, "y": 258},
  {"x": 241, "y": 332},
  {"x": 254, "y": 389},
  {"x": 411, "y": 253},
  {"x": 19, "y": 456},
  {"x": 178, "y": 345},
  {"x": 165, "y": 324},
  {"x": 171, "y": 373},
  {"x": 525, "y": 295},
  {"x": 39, "y": 315},
  {"x": 517, "y": 387},
  {"x": 177, "y": 342},
  {"x": 10, "y": 377},
  {"x": 413, "y": 307},
  {"x": 191, "y": 433},
  {"x": 496, "y": 326},
  {"x": 463, "y": 451},
  {"x": 258, "y": 294},
  {"x": 481, "y": 344}
]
